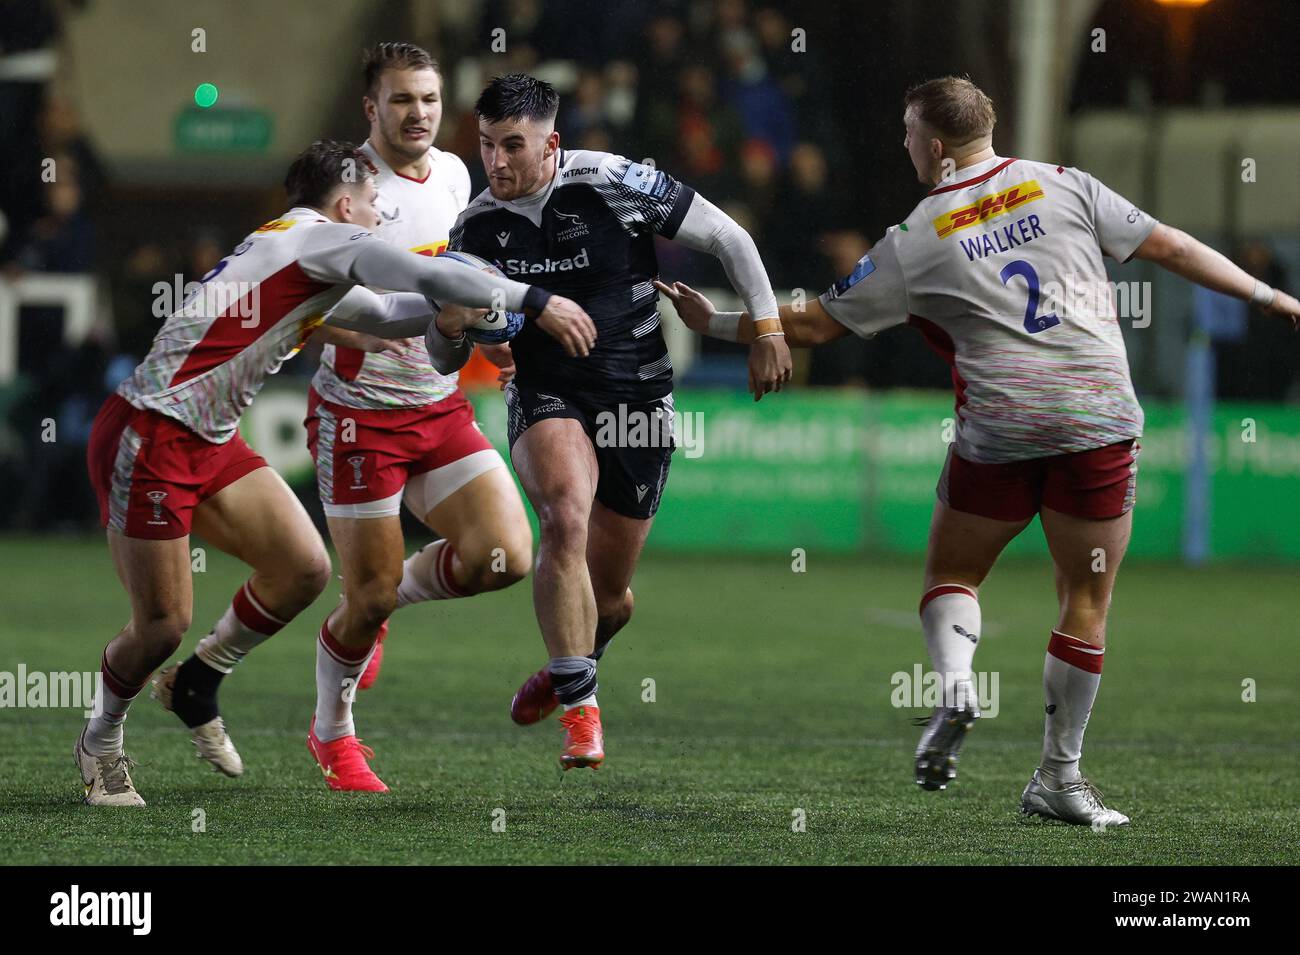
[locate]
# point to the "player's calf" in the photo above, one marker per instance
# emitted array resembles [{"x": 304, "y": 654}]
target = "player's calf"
[
  {"x": 190, "y": 689},
  {"x": 361, "y": 622},
  {"x": 611, "y": 617}
]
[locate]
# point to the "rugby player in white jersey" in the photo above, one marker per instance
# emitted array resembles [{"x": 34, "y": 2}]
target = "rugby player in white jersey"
[
  {"x": 1047, "y": 421},
  {"x": 385, "y": 428},
  {"x": 165, "y": 456}
]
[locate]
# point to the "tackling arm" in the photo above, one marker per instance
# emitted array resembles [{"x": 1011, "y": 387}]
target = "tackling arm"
[
  {"x": 1195, "y": 261},
  {"x": 392, "y": 315},
  {"x": 806, "y": 326},
  {"x": 707, "y": 228}
]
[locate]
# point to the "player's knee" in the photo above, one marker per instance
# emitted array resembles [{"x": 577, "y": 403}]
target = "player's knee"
[
  {"x": 504, "y": 563},
  {"x": 371, "y": 603},
  {"x": 564, "y": 525},
  {"x": 162, "y": 632},
  {"x": 311, "y": 576}
]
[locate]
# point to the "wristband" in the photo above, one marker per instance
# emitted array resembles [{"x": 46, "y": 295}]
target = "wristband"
[
  {"x": 767, "y": 326},
  {"x": 1263, "y": 294},
  {"x": 724, "y": 325},
  {"x": 535, "y": 299}
]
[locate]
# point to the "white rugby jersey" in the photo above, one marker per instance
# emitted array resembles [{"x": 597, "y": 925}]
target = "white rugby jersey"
[
  {"x": 417, "y": 215},
  {"x": 254, "y": 310},
  {"x": 1002, "y": 273}
]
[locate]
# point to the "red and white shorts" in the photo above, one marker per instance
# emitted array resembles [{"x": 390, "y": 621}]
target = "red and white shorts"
[
  {"x": 1097, "y": 484},
  {"x": 149, "y": 471},
  {"x": 369, "y": 461}
]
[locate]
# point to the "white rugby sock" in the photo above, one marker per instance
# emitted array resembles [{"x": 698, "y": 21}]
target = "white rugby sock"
[
  {"x": 427, "y": 575},
  {"x": 338, "y": 668},
  {"x": 244, "y": 625},
  {"x": 1071, "y": 675},
  {"x": 950, "y": 618},
  {"x": 103, "y": 736}
]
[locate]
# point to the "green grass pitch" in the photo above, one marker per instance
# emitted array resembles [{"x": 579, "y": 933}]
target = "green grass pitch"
[{"x": 772, "y": 695}]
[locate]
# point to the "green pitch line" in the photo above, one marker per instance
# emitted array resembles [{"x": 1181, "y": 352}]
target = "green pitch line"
[{"x": 771, "y": 695}]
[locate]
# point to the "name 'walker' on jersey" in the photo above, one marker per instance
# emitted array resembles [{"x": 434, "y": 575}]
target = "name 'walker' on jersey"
[
  {"x": 417, "y": 215},
  {"x": 589, "y": 235},
  {"x": 1002, "y": 273}
]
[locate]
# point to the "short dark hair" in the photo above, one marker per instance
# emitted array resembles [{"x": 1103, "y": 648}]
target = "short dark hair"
[
  {"x": 320, "y": 169},
  {"x": 517, "y": 96},
  {"x": 381, "y": 57},
  {"x": 954, "y": 106}
]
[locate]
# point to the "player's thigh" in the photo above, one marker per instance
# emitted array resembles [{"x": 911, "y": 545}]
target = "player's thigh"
[
  {"x": 370, "y": 550},
  {"x": 1087, "y": 554},
  {"x": 487, "y": 510},
  {"x": 259, "y": 520},
  {"x": 963, "y": 547},
  {"x": 614, "y": 545},
  {"x": 556, "y": 464},
  {"x": 156, "y": 575}
]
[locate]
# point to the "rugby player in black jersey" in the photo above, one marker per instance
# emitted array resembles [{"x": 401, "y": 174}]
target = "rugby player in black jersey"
[{"x": 591, "y": 435}]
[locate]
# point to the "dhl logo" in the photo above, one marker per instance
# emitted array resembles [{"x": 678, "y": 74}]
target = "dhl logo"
[
  {"x": 990, "y": 207},
  {"x": 275, "y": 225},
  {"x": 434, "y": 248},
  {"x": 306, "y": 327}
]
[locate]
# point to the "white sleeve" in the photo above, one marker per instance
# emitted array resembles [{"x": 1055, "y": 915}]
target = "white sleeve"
[
  {"x": 447, "y": 355},
  {"x": 706, "y": 228},
  {"x": 337, "y": 254},
  {"x": 329, "y": 249},
  {"x": 392, "y": 315},
  {"x": 873, "y": 296},
  {"x": 1120, "y": 225}
]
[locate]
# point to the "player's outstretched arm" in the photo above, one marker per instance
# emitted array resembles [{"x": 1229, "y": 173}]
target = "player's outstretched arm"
[
  {"x": 805, "y": 326},
  {"x": 363, "y": 313},
  {"x": 363, "y": 260},
  {"x": 1197, "y": 262},
  {"x": 341, "y": 337},
  {"x": 707, "y": 228}
]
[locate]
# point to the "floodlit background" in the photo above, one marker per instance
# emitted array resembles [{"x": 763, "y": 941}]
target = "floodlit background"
[{"x": 786, "y": 114}]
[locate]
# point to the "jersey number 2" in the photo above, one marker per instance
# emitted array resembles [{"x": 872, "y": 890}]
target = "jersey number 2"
[{"x": 1033, "y": 323}]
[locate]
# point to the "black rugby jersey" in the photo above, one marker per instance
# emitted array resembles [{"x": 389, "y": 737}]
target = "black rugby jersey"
[{"x": 590, "y": 238}]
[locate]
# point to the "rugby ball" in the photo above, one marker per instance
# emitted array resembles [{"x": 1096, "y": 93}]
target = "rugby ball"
[{"x": 496, "y": 327}]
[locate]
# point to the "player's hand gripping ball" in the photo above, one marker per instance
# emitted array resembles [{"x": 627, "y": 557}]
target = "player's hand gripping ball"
[{"x": 497, "y": 326}]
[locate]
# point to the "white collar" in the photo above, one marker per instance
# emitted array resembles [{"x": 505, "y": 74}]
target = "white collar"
[{"x": 531, "y": 206}]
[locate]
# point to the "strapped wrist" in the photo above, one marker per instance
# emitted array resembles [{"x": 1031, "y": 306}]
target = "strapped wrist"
[
  {"x": 724, "y": 325},
  {"x": 1263, "y": 294}
]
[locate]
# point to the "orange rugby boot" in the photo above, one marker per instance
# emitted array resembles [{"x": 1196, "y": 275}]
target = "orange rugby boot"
[
  {"x": 343, "y": 762},
  {"x": 584, "y": 741}
]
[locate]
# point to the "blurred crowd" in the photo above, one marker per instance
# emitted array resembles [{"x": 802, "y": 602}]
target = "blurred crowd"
[{"x": 725, "y": 97}]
